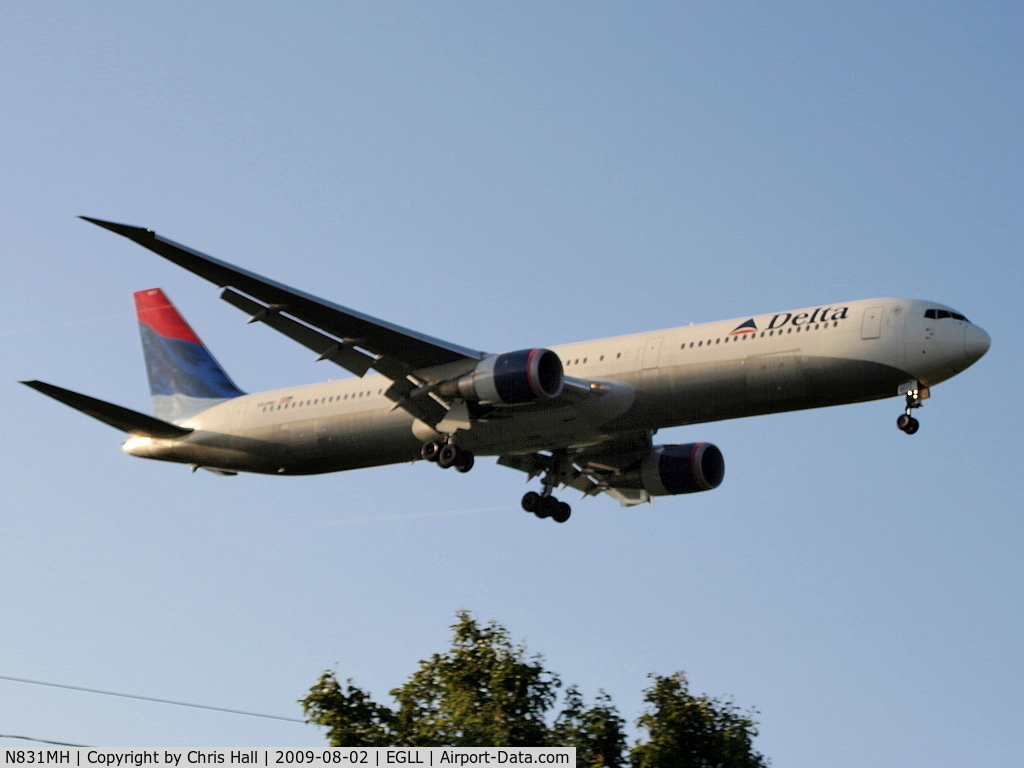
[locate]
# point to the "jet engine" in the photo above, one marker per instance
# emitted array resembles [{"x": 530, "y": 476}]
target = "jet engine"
[
  {"x": 510, "y": 378},
  {"x": 672, "y": 469}
]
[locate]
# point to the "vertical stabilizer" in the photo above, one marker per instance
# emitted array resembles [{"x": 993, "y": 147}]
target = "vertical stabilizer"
[{"x": 184, "y": 378}]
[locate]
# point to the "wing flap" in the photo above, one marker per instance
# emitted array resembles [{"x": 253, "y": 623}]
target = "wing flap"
[
  {"x": 338, "y": 351},
  {"x": 124, "y": 419},
  {"x": 406, "y": 394},
  {"x": 594, "y": 467}
]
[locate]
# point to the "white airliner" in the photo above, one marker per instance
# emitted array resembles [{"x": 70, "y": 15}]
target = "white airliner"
[{"x": 579, "y": 415}]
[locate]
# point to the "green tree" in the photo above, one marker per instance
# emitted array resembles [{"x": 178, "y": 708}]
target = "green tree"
[
  {"x": 351, "y": 718},
  {"x": 482, "y": 692},
  {"x": 598, "y": 733},
  {"x": 486, "y": 692},
  {"x": 687, "y": 731}
]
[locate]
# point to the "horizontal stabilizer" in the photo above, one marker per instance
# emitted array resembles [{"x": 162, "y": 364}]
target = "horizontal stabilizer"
[{"x": 125, "y": 419}]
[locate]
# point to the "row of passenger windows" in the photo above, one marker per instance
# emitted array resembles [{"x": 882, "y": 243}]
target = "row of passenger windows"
[
  {"x": 938, "y": 314},
  {"x": 266, "y": 407},
  {"x": 761, "y": 335},
  {"x": 742, "y": 337}
]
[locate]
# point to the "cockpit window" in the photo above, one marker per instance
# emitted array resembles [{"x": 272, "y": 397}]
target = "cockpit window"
[{"x": 938, "y": 314}]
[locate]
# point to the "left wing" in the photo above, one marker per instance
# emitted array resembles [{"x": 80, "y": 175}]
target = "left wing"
[
  {"x": 409, "y": 348},
  {"x": 351, "y": 339}
]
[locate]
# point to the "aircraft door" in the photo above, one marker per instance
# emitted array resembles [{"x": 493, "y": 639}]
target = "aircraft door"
[
  {"x": 652, "y": 353},
  {"x": 871, "y": 327},
  {"x": 238, "y": 415}
]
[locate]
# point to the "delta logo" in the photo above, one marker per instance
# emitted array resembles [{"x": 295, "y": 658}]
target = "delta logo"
[
  {"x": 782, "y": 319},
  {"x": 748, "y": 327}
]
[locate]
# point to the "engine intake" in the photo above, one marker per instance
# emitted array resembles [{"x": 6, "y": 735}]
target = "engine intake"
[
  {"x": 510, "y": 378},
  {"x": 672, "y": 469}
]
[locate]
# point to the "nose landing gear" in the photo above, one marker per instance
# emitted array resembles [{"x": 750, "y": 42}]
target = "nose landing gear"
[
  {"x": 915, "y": 394},
  {"x": 907, "y": 423}
]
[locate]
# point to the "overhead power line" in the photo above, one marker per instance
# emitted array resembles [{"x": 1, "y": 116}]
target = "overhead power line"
[{"x": 150, "y": 698}]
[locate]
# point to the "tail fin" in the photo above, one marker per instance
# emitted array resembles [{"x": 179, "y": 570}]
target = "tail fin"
[{"x": 184, "y": 379}]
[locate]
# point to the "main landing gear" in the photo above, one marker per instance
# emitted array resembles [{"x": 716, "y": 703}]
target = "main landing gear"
[
  {"x": 446, "y": 455},
  {"x": 558, "y": 470},
  {"x": 546, "y": 506},
  {"x": 906, "y": 422}
]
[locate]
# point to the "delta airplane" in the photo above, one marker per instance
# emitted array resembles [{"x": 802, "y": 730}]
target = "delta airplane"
[{"x": 579, "y": 415}]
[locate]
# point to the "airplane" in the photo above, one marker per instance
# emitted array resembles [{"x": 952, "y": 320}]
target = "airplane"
[{"x": 580, "y": 416}]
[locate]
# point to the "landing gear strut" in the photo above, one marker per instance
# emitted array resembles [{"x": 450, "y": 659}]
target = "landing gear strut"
[
  {"x": 559, "y": 470},
  {"x": 447, "y": 454},
  {"x": 906, "y": 422}
]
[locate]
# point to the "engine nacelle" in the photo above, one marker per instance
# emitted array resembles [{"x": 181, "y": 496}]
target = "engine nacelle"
[
  {"x": 510, "y": 378},
  {"x": 673, "y": 469}
]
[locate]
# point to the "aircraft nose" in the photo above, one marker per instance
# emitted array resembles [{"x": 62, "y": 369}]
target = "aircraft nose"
[{"x": 976, "y": 343}]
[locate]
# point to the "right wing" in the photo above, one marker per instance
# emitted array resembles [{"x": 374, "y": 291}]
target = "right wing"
[{"x": 607, "y": 467}]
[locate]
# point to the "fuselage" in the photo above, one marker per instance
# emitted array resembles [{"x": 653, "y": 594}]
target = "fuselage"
[{"x": 807, "y": 358}]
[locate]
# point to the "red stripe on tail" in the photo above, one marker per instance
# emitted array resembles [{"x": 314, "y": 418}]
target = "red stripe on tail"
[{"x": 153, "y": 309}]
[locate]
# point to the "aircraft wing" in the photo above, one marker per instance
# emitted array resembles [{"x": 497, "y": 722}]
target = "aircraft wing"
[
  {"x": 592, "y": 469},
  {"x": 350, "y": 339},
  {"x": 393, "y": 350}
]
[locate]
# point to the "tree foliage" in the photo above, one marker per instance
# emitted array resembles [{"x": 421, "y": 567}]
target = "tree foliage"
[
  {"x": 486, "y": 692},
  {"x": 687, "y": 731},
  {"x": 598, "y": 733},
  {"x": 482, "y": 692},
  {"x": 351, "y": 718}
]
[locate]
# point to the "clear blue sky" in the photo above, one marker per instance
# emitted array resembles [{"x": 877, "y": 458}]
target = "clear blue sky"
[{"x": 505, "y": 176}]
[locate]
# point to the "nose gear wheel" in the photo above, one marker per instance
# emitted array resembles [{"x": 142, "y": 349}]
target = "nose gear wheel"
[{"x": 906, "y": 422}]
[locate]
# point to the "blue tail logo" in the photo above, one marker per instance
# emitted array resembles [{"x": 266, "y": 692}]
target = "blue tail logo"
[{"x": 184, "y": 378}]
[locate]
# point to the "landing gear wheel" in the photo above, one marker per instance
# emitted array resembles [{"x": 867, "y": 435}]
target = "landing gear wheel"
[
  {"x": 464, "y": 461},
  {"x": 430, "y": 450},
  {"x": 562, "y": 512},
  {"x": 908, "y": 423},
  {"x": 547, "y": 507},
  {"x": 448, "y": 455},
  {"x": 531, "y": 502}
]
